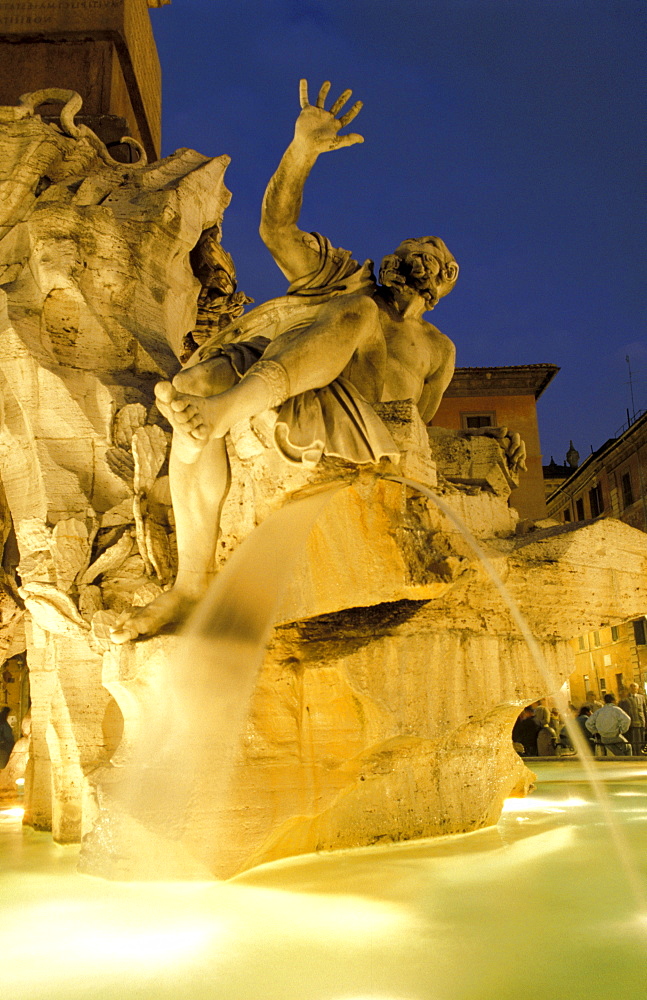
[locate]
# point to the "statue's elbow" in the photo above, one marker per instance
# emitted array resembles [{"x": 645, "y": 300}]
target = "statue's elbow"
[
  {"x": 274, "y": 236},
  {"x": 265, "y": 232},
  {"x": 450, "y": 355}
]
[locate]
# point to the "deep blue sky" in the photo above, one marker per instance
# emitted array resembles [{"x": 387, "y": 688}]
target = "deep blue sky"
[{"x": 510, "y": 128}]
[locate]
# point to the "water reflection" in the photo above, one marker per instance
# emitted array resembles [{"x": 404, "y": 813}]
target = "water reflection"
[{"x": 459, "y": 918}]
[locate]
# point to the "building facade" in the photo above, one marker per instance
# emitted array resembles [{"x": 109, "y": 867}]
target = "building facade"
[
  {"x": 102, "y": 49},
  {"x": 498, "y": 397},
  {"x": 611, "y": 482},
  {"x": 608, "y": 660}
]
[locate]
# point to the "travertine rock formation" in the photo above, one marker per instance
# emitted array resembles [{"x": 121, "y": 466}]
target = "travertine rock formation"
[
  {"x": 384, "y": 705},
  {"x": 97, "y": 294}
]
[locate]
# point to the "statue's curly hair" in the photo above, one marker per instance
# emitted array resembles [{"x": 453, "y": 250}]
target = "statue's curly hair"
[{"x": 416, "y": 261}]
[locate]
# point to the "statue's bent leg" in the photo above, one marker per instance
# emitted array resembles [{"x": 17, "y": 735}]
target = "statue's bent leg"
[
  {"x": 307, "y": 358},
  {"x": 345, "y": 327},
  {"x": 198, "y": 490},
  {"x": 199, "y": 486}
]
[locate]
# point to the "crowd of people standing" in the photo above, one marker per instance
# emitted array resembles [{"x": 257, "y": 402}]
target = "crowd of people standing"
[{"x": 608, "y": 728}]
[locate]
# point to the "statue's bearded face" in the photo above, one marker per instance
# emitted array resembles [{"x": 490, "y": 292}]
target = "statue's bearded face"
[{"x": 425, "y": 266}]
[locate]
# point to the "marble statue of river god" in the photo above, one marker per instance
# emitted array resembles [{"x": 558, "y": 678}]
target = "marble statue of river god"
[{"x": 322, "y": 356}]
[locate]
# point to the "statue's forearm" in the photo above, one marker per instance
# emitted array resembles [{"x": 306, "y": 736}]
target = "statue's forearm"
[
  {"x": 315, "y": 131},
  {"x": 284, "y": 194}
]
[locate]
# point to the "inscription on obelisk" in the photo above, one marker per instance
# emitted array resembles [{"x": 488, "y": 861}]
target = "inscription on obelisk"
[{"x": 104, "y": 49}]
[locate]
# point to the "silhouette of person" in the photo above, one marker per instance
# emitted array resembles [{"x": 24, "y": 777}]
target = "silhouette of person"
[
  {"x": 610, "y": 723},
  {"x": 6, "y": 737}
]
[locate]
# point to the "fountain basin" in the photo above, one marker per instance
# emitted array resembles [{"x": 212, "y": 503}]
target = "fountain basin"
[{"x": 535, "y": 904}]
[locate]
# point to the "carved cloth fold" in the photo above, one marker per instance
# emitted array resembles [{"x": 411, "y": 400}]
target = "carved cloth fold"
[{"x": 335, "y": 420}]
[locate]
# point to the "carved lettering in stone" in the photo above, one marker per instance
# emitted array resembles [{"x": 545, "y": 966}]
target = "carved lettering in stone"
[
  {"x": 34, "y": 13},
  {"x": 41, "y": 5}
]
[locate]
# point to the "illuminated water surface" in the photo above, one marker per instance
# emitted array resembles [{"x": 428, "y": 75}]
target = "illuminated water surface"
[{"x": 533, "y": 908}]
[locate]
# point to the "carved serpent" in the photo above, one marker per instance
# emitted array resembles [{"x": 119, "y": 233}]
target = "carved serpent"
[{"x": 72, "y": 104}]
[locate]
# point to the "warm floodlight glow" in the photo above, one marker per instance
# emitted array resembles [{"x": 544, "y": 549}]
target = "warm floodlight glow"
[
  {"x": 350, "y": 923},
  {"x": 16, "y": 812},
  {"x": 107, "y": 942},
  {"x": 143, "y": 938},
  {"x": 636, "y": 925},
  {"x": 20, "y": 781},
  {"x": 543, "y": 805},
  {"x": 338, "y": 916}
]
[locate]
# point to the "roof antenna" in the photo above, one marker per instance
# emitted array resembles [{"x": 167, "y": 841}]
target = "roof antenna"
[{"x": 631, "y": 389}]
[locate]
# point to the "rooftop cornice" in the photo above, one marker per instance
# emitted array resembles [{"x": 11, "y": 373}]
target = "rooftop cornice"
[{"x": 508, "y": 380}]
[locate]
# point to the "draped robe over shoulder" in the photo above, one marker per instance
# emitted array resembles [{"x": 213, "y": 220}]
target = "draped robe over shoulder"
[{"x": 335, "y": 420}]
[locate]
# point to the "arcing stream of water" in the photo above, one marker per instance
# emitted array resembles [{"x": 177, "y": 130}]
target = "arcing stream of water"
[
  {"x": 181, "y": 756},
  {"x": 193, "y": 723}
]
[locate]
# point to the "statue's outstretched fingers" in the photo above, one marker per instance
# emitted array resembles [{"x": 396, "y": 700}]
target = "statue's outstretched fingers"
[
  {"x": 353, "y": 113},
  {"x": 341, "y": 100},
  {"x": 348, "y": 140},
  {"x": 323, "y": 94},
  {"x": 303, "y": 93}
]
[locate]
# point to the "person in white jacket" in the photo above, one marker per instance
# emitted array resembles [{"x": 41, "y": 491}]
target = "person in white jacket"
[{"x": 610, "y": 722}]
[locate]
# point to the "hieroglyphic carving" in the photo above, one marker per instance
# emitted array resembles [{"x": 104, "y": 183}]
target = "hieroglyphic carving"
[{"x": 29, "y": 14}]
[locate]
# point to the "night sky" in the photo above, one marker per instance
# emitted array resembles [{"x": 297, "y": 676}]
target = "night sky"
[{"x": 510, "y": 128}]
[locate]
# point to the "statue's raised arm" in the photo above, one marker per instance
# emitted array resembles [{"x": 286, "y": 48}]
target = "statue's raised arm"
[{"x": 316, "y": 131}]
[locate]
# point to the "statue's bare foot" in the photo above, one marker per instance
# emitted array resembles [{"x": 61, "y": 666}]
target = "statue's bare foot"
[
  {"x": 171, "y": 608},
  {"x": 198, "y": 417},
  {"x": 187, "y": 416}
]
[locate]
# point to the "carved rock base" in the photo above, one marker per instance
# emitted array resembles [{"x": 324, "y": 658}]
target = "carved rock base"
[{"x": 381, "y": 722}]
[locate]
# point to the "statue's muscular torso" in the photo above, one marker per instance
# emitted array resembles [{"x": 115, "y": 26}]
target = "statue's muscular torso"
[
  {"x": 402, "y": 357},
  {"x": 419, "y": 359}
]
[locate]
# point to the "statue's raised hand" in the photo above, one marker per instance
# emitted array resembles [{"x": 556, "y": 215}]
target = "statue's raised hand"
[{"x": 317, "y": 129}]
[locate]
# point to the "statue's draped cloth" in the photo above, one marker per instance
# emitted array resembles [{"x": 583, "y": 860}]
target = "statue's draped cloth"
[{"x": 335, "y": 420}]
